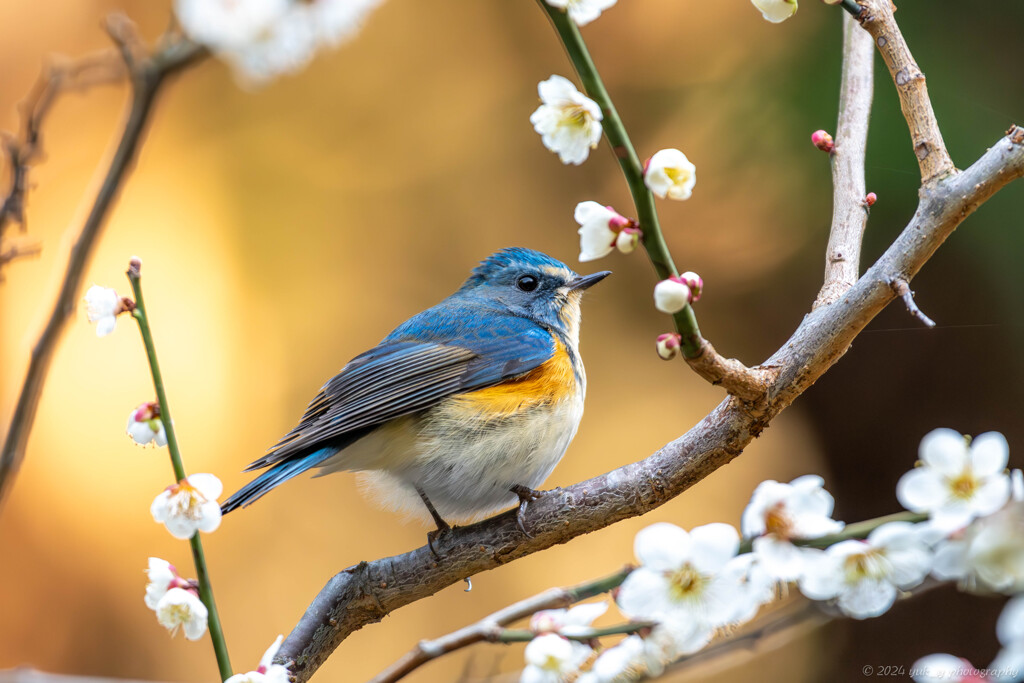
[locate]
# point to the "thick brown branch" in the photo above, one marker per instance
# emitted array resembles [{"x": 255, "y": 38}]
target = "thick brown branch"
[
  {"x": 929, "y": 147},
  {"x": 849, "y": 217},
  {"x": 148, "y": 75},
  {"x": 367, "y": 592}
]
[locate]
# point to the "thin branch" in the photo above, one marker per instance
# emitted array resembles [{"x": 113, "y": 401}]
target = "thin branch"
[
  {"x": 929, "y": 148},
  {"x": 732, "y": 375},
  {"x": 490, "y": 628},
  {"x": 902, "y": 289},
  {"x": 148, "y": 76},
  {"x": 15, "y": 252},
  {"x": 369, "y": 591},
  {"x": 57, "y": 78},
  {"x": 849, "y": 217},
  {"x": 204, "y": 584}
]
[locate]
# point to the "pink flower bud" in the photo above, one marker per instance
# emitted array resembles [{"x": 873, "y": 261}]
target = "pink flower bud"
[
  {"x": 870, "y": 200},
  {"x": 146, "y": 412},
  {"x": 694, "y": 282},
  {"x": 822, "y": 140},
  {"x": 628, "y": 240},
  {"x": 617, "y": 221},
  {"x": 668, "y": 345}
]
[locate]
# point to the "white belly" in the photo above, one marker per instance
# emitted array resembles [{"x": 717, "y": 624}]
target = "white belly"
[{"x": 465, "y": 467}]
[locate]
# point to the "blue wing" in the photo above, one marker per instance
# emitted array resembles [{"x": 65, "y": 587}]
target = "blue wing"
[{"x": 449, "y": 349}]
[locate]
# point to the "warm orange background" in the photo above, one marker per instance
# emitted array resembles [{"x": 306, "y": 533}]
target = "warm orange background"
[{"x": 285, "y": 230}]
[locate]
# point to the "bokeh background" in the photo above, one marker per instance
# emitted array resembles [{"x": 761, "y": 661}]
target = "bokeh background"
[{"x": 285, "y": 230}]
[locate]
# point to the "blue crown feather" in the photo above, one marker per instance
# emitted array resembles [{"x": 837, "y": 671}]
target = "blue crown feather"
[{"x": 510, "y": 256}]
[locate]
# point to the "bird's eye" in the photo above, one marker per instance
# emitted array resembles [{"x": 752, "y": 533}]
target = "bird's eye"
[{"x": 527, "y": 283}]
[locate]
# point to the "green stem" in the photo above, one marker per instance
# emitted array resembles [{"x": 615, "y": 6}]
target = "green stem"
[
  {"x": 510, "y": 635},
  {"x": 632, "y": 169},
  {"x": 857, "y": 530},
  {"x": 220, "y": 648},
  {"x": 852, "y": 7}
]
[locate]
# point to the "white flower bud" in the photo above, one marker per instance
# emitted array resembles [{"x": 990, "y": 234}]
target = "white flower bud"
[{"x": 671, "y": 296}]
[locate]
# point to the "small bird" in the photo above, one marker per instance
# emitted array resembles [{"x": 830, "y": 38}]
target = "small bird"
[{"x": 467, "y": 406}]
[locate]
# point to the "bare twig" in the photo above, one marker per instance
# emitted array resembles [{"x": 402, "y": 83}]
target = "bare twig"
[
  {"x": 18, "y": 251},
  {"x": 367, "y": 592},
  {"x": 929, "y": 147},
  {"x": 58, "y": 77},
  {"x": 902, "y": 289},
  {"x": 842, "y": 258},
  {"x": 147, "y": 76},
  {"x": 491, "y": 627}
]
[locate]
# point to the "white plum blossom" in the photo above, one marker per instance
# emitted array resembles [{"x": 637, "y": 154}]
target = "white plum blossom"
[
  {"x": 957, "y": 482},
  {"x": 189, "y": 506},
  {"x": 145, "y": 426},
  {"x": 262, "y": 39},
  {"x": 582, "y": 12},
  {"x": 599, "y": 229},
  {"x": 943, "y": 668},
  {"x": 568, "y": 121},
  {"x": 776, "y": 11},
  {"x": 779, "y": 514},
  {"x": 550, "y": 658},
  {"x": 865, "y": 576},
  {"x": 102, "y": 306},
  {"x": 756, "y": 586},
  {"x": 567, "y": 622},
  {"x": 228, "y": 24},
  {"x": 162, "y": 577},
  {"x": 1009, "y": 663},
  {"x": 627, "y": 661},
  {"x": 670, "y": 174},
  {"x": 988, "y": 555},
  {"x": 671, "y": 296},
  {"x": 267, "y": 671},
  {"x": 182, "y": 608},
  {"x": 681, "y": 576}
]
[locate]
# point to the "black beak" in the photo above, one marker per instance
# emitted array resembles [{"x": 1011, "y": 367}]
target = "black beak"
[{"x": 585, "y": 281}]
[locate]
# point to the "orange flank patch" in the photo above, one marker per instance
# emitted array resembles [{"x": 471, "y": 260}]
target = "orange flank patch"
[{"x": 551, "y": 382}]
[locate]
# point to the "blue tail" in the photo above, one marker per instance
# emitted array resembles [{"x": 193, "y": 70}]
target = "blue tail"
[{"x": 274, "y": 477}]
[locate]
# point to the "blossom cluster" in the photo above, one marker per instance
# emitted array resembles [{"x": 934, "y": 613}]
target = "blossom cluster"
[
  {"x": 691, "y": 586},
  {"x": 262, "y": 39}
]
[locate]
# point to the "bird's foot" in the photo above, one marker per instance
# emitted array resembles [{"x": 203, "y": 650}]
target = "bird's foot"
[
  {"x": 526, "y": 496},
  {"x": 442, "y": 528}
]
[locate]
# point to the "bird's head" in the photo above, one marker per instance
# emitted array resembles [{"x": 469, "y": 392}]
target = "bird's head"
[{"x": 532, "y": 285}]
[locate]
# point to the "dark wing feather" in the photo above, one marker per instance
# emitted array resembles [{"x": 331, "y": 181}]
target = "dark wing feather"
[{"x": 402, "y": 376}]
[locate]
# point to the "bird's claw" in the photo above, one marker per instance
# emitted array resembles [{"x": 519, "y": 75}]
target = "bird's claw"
[
  {"x": 526, "y": 496},
  {"x": 434, "y": 535}
]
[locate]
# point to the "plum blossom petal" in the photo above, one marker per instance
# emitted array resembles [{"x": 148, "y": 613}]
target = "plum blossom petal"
[
  {"x": 685, "y": 580},
  {"x": 582, "y": 12},
  {"x": 189, "y": 506},
  {"x": 957, "y": 482},
  {"x": 864, "y": 576},
  {"x": 102, "y": 306},
  {"x": 776, "y": 11},
  {"x": 669, "y": 174},
  {"x": 568, "y": 121},
  {"x": 550, "y": 658},
  {"x": 181, "y": 608}
]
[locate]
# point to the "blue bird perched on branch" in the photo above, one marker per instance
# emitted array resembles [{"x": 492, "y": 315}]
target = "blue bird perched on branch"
[{"x": 467, "y": 406}]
